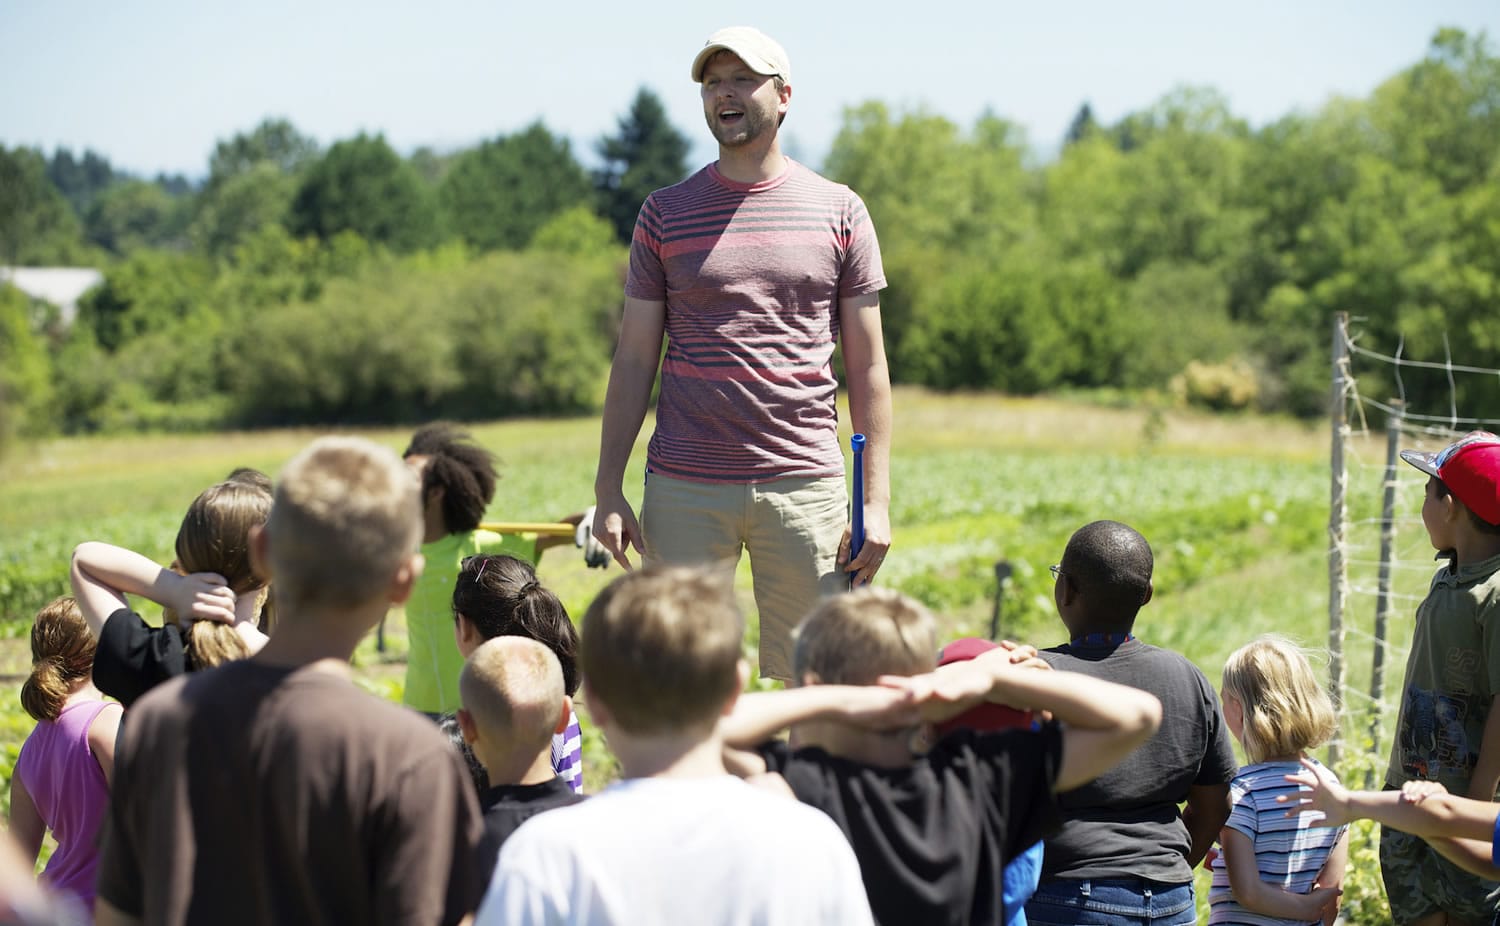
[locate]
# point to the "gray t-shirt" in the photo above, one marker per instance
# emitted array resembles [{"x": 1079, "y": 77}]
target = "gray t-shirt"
[
  {"x": 1126, "y": 823},
  {"x": 1452, "y": 676}
]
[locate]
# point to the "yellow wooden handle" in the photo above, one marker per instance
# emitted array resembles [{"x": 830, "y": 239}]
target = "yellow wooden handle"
[{"x": 541, "y": 528}]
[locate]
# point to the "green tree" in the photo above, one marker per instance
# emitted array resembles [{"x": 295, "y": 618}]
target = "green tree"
[
  {"x": 26, "y": 392},
  {"x": 1083, "y": 125},
  {"x": 136, "y": 214},
  {"x": 275, "y": 141},
  {"x": 578, "y": 231},
  {"x": 241, "y": 205},
  {"x": 498, "y": 194},
  {"x": 362, "y": 185},
  {"x": 81, "y": 180},
  {"x": 36, "y": 225},
  {"x": 148, "y": 291},
  {"x": 646, "y": 153},
  {"x": 1441, "y": 117},
  {"x": 252, "y": 179}
]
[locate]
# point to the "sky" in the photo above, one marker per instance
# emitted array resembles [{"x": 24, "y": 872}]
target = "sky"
[{"x": 152, "y": 84}]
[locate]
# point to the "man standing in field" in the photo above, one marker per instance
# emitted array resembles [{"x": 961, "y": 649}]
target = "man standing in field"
[{"x": 753, "y": 268}]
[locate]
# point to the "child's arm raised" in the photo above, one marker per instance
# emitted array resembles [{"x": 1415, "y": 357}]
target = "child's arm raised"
[
  {"x": 103, "y": 574},
  {"x": 761, "y": 715},
  {"x": 1103, "y": 722},
  {"x": 1459, "y": 828}
]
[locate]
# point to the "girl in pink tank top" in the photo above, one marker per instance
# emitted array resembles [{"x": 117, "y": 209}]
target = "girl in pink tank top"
[{"x": 61, "y": 781}]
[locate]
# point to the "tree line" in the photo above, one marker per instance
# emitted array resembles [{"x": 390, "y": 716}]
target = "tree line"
[{"x": 1178, "y": 252}]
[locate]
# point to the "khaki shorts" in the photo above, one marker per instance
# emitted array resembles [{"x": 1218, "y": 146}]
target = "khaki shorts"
[
  {"x": 791, "y": 528},
  {"x": 1419, "y": 882}
]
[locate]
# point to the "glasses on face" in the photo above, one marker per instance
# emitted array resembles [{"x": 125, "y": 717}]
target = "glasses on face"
[{"x": 1056, "y": 571}]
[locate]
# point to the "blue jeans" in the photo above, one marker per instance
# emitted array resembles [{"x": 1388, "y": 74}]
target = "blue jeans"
[{"x": 1111, "y": 902}]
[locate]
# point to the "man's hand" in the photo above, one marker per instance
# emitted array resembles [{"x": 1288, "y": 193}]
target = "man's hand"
[
  {"x": 202, "y": 596},
  {"x": 616, "y": 527},
  {"x": 1322, "y": 794},
  {"x": 872, "y": 553}
]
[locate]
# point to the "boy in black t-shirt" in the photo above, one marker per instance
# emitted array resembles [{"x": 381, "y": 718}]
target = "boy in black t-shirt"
[
  {"x": 1125, "y": 852},
  {"x": 514, "y": 701},
  {"x": 932, "y": 831}
]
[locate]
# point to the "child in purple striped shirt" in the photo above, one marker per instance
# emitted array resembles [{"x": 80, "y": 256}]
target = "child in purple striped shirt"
[{"x": 499, "y": 595}]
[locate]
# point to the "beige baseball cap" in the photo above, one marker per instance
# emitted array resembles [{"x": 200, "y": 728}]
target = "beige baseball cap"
[{"x": 763, "y": 54}]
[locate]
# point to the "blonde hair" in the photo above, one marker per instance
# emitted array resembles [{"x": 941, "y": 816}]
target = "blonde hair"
[
  {"x": 345, "y": 518},
  {"x": 1286, "y": 712},
  {"x": 513, "y": 688},
  {"x": 62, "y": 657},
  {"x": 854, "y": 638},
  {"x": 215, "y": 537},
  {"x": 660, "y": 647}
]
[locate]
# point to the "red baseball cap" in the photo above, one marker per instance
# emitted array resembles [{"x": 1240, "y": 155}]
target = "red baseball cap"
[
  {"x": 1470, "y": 468},
  {"x": 986, "y": 717}
]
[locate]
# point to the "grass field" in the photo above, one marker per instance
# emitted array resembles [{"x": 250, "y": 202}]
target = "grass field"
[{"x": 1236, "y": 509}]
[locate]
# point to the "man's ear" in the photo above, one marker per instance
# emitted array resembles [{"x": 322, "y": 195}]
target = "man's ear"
[
  {"x": 467, "y": 726},
  {"x": 564, "y": 716},
  {"x": 1150, "y": 590},
  {"x": 785, "y": 98},
  {"x": 1066, "y": 591},
  {"x": 405, "y": 578}
]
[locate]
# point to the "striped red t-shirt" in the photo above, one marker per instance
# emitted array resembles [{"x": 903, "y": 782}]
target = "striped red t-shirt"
[{"x": 751, "y": 275}]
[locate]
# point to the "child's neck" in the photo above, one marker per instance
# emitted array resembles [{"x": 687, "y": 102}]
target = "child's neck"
[
  {"x": 83, "y": 691},
  {"x": 515, "y": 770},
  {"x": 678, "y": 754},
  {"x": 1475, "y": 547},
  {"x": 891, "y": 749}
]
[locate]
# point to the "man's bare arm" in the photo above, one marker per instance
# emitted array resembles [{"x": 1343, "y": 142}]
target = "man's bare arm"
[{"x": 631, "y": 376}]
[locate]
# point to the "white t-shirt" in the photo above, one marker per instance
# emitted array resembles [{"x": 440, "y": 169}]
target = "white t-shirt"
[{"x": 666, "y": 851}]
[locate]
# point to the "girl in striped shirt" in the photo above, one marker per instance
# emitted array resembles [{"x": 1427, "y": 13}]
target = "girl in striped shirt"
[{"x": 1272, "y": 868}]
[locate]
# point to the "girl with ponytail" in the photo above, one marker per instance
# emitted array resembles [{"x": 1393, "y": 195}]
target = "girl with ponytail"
[
  {"x": 499, "y": 595},
  {"x": 212, "y": 597},
  {"x": 61, "y": 780}
]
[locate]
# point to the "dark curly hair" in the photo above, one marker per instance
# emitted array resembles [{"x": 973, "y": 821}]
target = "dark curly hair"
[{"x": 464, "y": 471}]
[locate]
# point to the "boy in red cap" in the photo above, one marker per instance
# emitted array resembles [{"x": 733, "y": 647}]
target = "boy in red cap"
[{"x": 1449, "y": 730}]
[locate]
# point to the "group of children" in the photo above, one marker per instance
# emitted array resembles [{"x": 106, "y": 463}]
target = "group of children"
[{"x": 251, "y": 780}]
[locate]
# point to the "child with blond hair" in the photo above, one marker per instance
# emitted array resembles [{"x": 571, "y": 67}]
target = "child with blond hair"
[
  {"x": 61, "y": 780},
  {"x": 933, "y": 831},
  {"x": 514, "y": 702},
  {"x": 1273, "y": 869},
  {"x": 679, "y": 839},
  {"x": 274, "y": 789}
]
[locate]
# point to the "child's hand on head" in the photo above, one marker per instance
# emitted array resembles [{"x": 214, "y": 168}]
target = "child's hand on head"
[
  {"x": 887, "y": 705},
  {"x": 948, "y": 691},
  {"x": 203, "y": 596},
  {"x": 1415, "y": 792},
  {"x": 1024, "y": 654},
  {"x": 1321, "y": 793}
]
